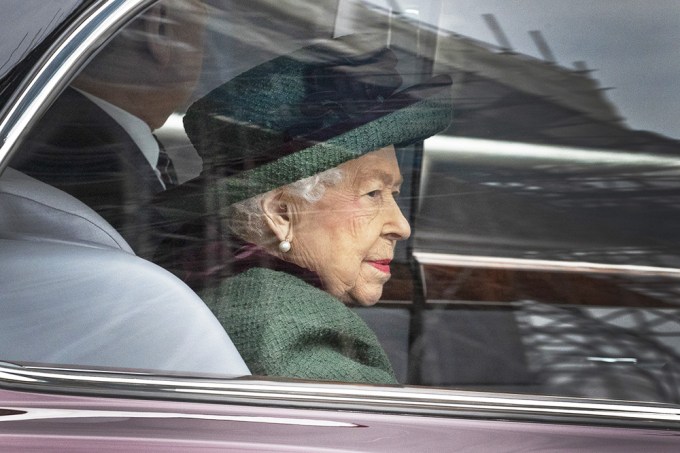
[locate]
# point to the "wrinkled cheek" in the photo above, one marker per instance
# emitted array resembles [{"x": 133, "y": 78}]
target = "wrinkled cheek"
[
  {"x": 358, "y": 224},
  {"x": 368, "y": 288},
  {"x": 339, "y": 276}
]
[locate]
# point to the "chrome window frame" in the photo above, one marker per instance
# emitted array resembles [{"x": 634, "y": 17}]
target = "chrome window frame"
[
  {"x": 395, "y": 400},
  {"x": 55, "y": 69}
]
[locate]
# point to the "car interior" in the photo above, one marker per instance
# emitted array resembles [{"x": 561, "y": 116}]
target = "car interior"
[{"x": 75, "y": 294}]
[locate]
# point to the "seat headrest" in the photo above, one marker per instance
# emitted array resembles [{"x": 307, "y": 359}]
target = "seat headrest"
[{"x": 34, "y": 211}]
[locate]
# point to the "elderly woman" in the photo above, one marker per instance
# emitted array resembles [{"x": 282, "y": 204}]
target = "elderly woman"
[{"x": 300, "y": 164}]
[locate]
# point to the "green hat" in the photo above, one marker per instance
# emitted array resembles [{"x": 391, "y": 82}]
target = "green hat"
[{"x": 309, "y": 111}]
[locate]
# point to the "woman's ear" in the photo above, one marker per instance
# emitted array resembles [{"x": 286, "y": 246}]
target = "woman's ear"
[
  {"x": 278, "y": 214},
  {"x": 157, "y": 32}
]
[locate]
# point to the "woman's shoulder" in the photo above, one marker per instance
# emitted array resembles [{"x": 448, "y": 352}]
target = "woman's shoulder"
[
  {"x": 264, "y": 280},
  {"x": 259, "y": 286},
  {"x": 285, "y": 326}
]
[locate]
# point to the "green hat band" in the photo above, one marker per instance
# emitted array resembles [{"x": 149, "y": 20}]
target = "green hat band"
[
  {"x": 412, "y": 124},
  {"x": 304, "y": 113}
]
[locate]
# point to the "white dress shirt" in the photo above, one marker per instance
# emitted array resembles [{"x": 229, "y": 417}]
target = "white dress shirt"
[{"x": 136, "y": 128}]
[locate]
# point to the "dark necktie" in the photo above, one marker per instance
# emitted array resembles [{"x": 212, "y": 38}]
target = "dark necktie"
[{"x": 165, "y": 166}]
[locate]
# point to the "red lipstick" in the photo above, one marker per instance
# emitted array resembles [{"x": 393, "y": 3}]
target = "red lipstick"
[{"x": 381, "y": 265}]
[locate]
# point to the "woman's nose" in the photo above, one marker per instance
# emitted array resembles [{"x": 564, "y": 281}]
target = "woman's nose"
[{"x": 396, "y": 226}]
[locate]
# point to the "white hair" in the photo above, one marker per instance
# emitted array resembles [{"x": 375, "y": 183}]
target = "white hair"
[{"x": 245, "y": 218}]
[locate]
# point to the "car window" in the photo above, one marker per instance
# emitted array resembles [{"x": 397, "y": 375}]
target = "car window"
[
  {"x": 18, "y": 39},
  {"x": 537, "y": 155}
]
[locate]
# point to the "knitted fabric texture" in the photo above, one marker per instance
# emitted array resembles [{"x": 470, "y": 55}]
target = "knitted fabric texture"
[
  {"x": 416, "y": 122},
  {"x": 283, "y": 326},
  {"x": 301, "y": 114}
]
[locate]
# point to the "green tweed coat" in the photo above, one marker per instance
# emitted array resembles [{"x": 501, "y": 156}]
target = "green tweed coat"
[{"x": 283, "y": 326}]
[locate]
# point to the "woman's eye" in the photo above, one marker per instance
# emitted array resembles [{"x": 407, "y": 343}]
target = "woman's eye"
[{"x": 373, "y": 193}]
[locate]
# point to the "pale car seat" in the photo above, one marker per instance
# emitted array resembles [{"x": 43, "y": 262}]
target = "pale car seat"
[
  {"x": 73, "y": 293},
  {"x": 34, "y": 211}
]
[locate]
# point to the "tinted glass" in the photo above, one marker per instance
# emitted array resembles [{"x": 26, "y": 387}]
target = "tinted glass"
[
  {"x": 24, "y": 26},
  {"x": 542, "y": 255}
]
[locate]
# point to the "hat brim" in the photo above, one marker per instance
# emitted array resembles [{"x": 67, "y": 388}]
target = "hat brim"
[{"x": 407, "y": 117}]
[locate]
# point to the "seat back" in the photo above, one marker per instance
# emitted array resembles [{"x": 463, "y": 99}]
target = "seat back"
[
  {"x": 74, "y": 294},
  {"x": 32, "y": 210}
]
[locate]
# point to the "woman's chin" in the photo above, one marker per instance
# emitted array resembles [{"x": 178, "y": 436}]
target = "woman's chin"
[{"x": 366, "y": 297}]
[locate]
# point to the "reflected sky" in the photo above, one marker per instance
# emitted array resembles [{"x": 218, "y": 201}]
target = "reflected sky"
[
  {"x": 18, "y": 36},
  {"x": 631, "y": 45}
]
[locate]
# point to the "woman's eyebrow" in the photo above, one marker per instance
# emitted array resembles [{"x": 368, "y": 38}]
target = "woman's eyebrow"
[{"x": 382, "y": 175}]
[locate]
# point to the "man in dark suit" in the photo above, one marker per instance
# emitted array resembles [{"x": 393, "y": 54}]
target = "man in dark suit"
[{"x": 96, "y": 142}]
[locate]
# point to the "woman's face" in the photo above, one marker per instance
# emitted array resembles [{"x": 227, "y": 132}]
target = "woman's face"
[{"x": 348, "y": 237}]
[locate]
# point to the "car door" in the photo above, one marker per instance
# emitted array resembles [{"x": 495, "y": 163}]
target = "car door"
[{"x": 533, "y": 306}]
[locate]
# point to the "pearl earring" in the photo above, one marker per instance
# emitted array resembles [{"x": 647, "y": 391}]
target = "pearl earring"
[{"x": 284, "y": 246}]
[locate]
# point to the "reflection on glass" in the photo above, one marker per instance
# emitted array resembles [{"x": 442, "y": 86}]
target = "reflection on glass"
[{"x": 543, "y": 255}]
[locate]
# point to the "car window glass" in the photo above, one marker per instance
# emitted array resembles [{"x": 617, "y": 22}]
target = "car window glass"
[
  {"x": 19, "y": 36},
  {"x": 541, "y": 255}
]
